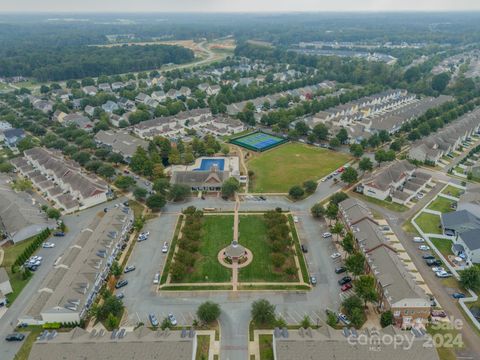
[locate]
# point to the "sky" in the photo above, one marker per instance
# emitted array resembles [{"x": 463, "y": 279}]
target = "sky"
[{"x": 234, "y": 5}]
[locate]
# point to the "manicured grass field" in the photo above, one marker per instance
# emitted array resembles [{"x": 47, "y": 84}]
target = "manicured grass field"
[
  {"x": 16, "y": 280},
  {"x": 386, "y": 204},
  {"x": 277, "y": 170},
  {"x": 443, "y": 245},
  {"x": 441, "y": 204},
  {"x": 453, "y": 191},
  {"x": 266, "y": 347},
  {"x": 429, "y": 223},
  {"x": 252, "y": 230},
  {"x": 217, "y": 233},
  {"x": 203, "y": 345}
]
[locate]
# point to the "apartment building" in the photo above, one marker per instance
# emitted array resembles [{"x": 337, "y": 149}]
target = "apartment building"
[{"x": 120, "y": 142}]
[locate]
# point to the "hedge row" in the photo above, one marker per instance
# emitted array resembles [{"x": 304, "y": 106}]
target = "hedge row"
[{"x": 25, "y": 255}]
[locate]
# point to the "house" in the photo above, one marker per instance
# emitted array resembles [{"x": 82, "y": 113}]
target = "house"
[
  {"x": 204, "y": 180},
  {"x": 11, "y": 137},
  {"x": 159, "y": 96},
  {"x": 184, "y": 91},
  {"x": 120, "y": 142},
  {"x": 80, "y": 121},
  {"x": 126, "y": 104},
  {"x": 104, "y": 87},
  {"x": 456, "y": 222},
  {"x": 116, "y": 119},
  {"x": 44, "y": 106},
  {"x": 4, "y": 125},
  {"x": 468, "y": 244},
  {"x": 69, "y": 289},
  {"x": 396, "y": 287},
  {"x": 171, "y": 94},
  {"x": 470, "y": 200},
  {"x": 213, "y": 90},
  {"x": 328, "y": 343},
  {"x": 141, "y": 98},
  {"x": 5, "y": 286},
  {"x": 399, "y": 180},
  {"x": 89, "y": 110},
  {"x": 110, "y": 106},
  {"x": 118, "y": 86},
  {"x": 90, "y": 90}
]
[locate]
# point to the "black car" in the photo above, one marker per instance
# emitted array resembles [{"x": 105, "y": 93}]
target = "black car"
[
  {"x": 428, "y": 257},
  {"x": 121, "y": 284},
  {"x": 304, "y": 248},
  {"x": 344, "y": 280},
  {"x": 15, "y": 337},
  {"x": 433, "y": 262},
  {"x": 59, "y": 233},
  {"x": 340, "y": 270},
  {"x": 262, "y": 198}
]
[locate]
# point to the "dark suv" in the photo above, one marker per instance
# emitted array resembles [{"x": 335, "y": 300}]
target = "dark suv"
[
  {"x": 344, "y": 280},
  {"x": 15, "y": 337},
  {"x": 433, "y": 262},
  {"x": 340, "y": 270}
]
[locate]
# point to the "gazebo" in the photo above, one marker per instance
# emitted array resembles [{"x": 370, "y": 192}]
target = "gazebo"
[{"x": 235, "y": 251}]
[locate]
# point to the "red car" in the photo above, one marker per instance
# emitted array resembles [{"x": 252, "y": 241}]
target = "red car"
[
  {"x": 340, "y": 170},
  {"x": 346, "y": 287}
]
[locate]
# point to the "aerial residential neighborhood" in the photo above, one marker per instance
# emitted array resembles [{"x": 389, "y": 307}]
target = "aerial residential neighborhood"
[{"x": 251, "y": 180}]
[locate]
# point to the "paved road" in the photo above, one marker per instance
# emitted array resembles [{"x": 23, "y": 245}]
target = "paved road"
[{"x": 75, "y": 223}]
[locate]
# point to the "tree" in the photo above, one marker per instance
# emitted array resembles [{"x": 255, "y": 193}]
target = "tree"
[
  {"x": 156, "y": 202},
  {"x": 124, "y": 182},
  {"x": 334, "y": 142},
  {"x": 116, "y": 269},
  {"x": 356, "y": 150},
  {"x": 470, "y": 278},
  {"x": 320, "y": 131},
  {"x": 440, "y": 81},
  {"x": 355, "y": 263},
  {"x": 179, "y": 192},
  {"x": 353, "y": 308},
  {"x": 317, "y": 210},
  {"x": 305, "y": 323},
  {"x": 350, "y": 175},
  {"x": 310, "y": 186},
  {"x": 338, "y": 197},
  {"x": 296, "y": 192},
  {"x": 365, "y": 164},
  {"x": 342, "y": 136},
  {"x": 140, "y": 193},
  {"x": 6, "y": 167},
  {"x": 106, "y": 171},
  {"x": 263, "y": 313},
  {"x": 337, "y": 229},
  {"x": 54, "y": 213},
  {"x": 332, "y": 211},
  {"x": 301, "y": 128},
  {"x": 161, "y": 186},
  {"x": 115, "y": 158},
  {"x": 365, "y": 288},
  {"x": 208, "y": 312},
  {"x": 386, "y": 319},
  {"x": 112, "y": 322},
  {"x": 230, "y": 187},
  {"x": 348, "y": 243}
]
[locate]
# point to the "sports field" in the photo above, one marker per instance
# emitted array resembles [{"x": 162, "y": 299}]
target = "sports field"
[
  {"x": 258, "y": 141},
  {"x": 277, "y": 170}
]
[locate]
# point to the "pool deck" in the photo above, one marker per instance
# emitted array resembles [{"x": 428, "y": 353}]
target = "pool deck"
[{"x": 231, "y": 163}]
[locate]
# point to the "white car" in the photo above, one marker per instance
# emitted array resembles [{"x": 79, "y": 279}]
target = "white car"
[
  {"x": 436, "y": 269},
  {"x": 343, "y": 318},
  {"x": 48, "y": 245},
  {"x": 172, "y": 319},
  {"x": 418, "y": 239},
  {"x": 165, "y": 247},
  {"x": 335, "y": 255},
  {"x": 295, "y": 219},
  {"x": 36, "y": 258},
  {"x": 420, "y": 195},
  {"x": 442, "y": 274},
  {"x": 326, "y": 235},
  {"x": 424, "y": 247},
  {"x": 156, "y": 278}
]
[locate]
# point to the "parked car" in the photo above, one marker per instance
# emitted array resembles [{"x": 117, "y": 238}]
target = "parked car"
[
  {"x": 121, "y": 283},
  {"x": 438, "y": 313},
  {"x": 418, "y": 239},
  {"x": 120, "y": 295},
  {"x": 344, "y": 280},
  {"x": 326, "y": 235},
  {"x": 424, "y": 247},
  {"x": 428, "y": 257},
  {"x": 59, "y": 233},
  {"x": 172, "y": 319},
  {"x": 437, "y": 269},
  {"x": 340, "y": 270},
  {"x": 433, "y": 262},
  {"x": 335, "y": 255},
  {"x": 165, "y": 247},
  {"x": 420, "y": 195},
  {"x": 295, "y": 219},
  {"x": 153, "y": 320},
  {"x": 443, "y": 274},
  {"x": 458, "y": 295},
  {"x": 304, "y": 248},
  {"x": 156, "y": 278},
  {"x": 129, "y": 268},
  {"x": 15, "y": 337},
  {"x": 48, "y": 245},
  {"x": 313, "y": 280},
  {"x": 343, "y": 318},
  {"x": 263, "y": 198},
  {"x": 346, "y": 287}
]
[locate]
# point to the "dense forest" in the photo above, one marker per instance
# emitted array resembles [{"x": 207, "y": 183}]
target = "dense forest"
[{"x": 54, "y": 63}]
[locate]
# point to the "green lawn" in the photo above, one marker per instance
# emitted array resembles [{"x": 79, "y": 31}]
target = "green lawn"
[
  {"x": 453, "y": 191},
  {"x": 443, "y": 245},
  {"x": 301, "y": 258},
  {"x": 16, "y": 280},
  {"x": 217, "y": 233},
  {"x": 386, "y": 204},
  {"x": 253, "y": 236},
  {"x": 441, "y": 204},
  {"x": 203, "y": 345},
  {"x": 266, "y": 347},
  {"x": 24, "y": 352},
  {"x": 429, "y": 223},
  {"x": 277, "y": 170}
]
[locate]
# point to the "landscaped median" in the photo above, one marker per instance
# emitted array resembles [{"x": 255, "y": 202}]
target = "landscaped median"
[{"x": 276, "y": 262}]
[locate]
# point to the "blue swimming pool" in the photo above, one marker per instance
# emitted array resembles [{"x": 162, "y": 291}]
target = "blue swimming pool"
[{"x": 206, "y": 164}]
